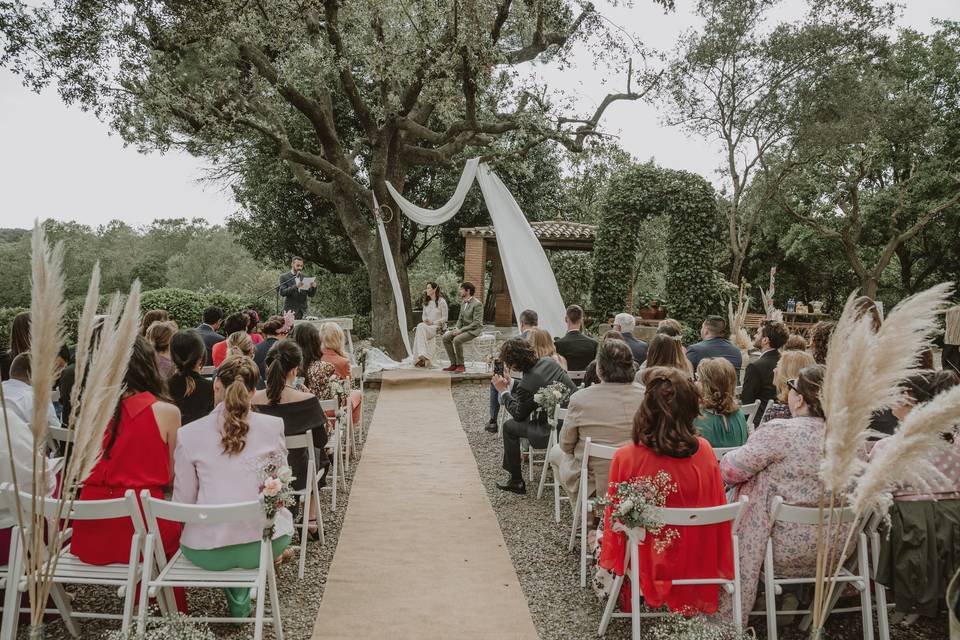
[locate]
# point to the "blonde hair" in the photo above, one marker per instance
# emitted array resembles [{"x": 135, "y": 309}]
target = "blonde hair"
[
  {"x": 331, "y": 337},
  {"x": 789, "y": 366},
  {"x": 239, "y": 343},
  {"x": 160, "y": 333},
  {"x": 718, "y": 385},
  {"x": 542, "y": 342},
  {"x": 239, "y": 376}
]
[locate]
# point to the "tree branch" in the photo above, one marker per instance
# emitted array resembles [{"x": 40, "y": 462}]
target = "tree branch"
[
  {"x": 540, "y": 40},
  {"x": 346, "y": 75}
]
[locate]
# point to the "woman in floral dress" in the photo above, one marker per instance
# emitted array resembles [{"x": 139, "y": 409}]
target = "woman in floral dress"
[
  {"x": 316, "y": 373},
  {"x": 781, "y": 459}
]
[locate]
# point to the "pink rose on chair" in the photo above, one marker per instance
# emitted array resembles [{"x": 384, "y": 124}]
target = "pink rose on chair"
[{"x": 272, "y": 487}]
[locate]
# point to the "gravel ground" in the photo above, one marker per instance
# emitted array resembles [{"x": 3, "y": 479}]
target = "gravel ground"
[
  {"x": 299, "y": 599},
  {"x": 550, "y": 575}
]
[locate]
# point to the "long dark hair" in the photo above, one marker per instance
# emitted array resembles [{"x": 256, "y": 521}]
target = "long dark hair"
[
  {"x": 19, "y": 334},
  {"x": 142, "y": 375},
  {"x": 282, "y": 357},
  {"x": 154, "y": 315},
  {"x": 307, "y": 337},
  {"x": 186, "y": 350},
  {"x": 664, "y": 421},
  {"x": 436, "y": 290}
]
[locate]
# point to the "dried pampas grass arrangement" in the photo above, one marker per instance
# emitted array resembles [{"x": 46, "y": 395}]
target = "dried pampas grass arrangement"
[
  {"x": 864, "y": 371},
  {"x": 737, "y": 319},
  {"x": 102, "y": 364}
]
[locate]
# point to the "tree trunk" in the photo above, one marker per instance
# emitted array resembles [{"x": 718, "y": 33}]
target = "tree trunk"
[
  {"x": 384, "y": 327},
  {"x": 868, "y": 286},
  {"x": 737, "y": 266}
]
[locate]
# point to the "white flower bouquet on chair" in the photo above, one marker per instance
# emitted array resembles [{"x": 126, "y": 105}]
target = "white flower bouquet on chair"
[
  {"x": 276, "y": 490},
  {"x": 548, "y": 398},
  {"x": 636, "y": 505}
]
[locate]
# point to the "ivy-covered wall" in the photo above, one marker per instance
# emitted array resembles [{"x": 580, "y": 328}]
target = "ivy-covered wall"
[{"x": 694, "y": 288}]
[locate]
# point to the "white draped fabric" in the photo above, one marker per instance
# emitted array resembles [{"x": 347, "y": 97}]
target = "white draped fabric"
[{"x": 529, "y": 276}]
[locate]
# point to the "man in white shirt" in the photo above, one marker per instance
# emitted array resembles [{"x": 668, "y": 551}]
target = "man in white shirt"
[{"x": 18, "y": 392}]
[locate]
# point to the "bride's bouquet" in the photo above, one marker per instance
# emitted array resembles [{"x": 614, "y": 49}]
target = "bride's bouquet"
[
  {"x": 636, "y": 504},
  {"x": 548, "y": 398}
]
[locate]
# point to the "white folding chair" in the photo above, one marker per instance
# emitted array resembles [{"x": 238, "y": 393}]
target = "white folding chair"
[
  {"x": 559, "y": 415},
  {"x": 871, "y": 530},
  {"x": 9, "y": 577},
  {"x": 722, "y": 451},
  {"x": 585, "y": 502},
  {"x": 335, "y": 442},
  {"x": 308, "y": 496},
  {"x": 208, "y": 371},
  {"x": 70, "y": 569},
  {"x": 577, "y": 377},
  {"x": 750, "y": 410},
  {"x": 57, "y": 437},
  {"x": 356, "y": 373},
  {"x": 160, "y": 576},
  {"x": 677, "y": 518},
  {"x": 738, "y": 390},
  {"x": 773, "y": 586}
]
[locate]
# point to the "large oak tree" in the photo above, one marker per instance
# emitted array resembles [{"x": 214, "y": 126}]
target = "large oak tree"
[{"x": 347, "y": 93}]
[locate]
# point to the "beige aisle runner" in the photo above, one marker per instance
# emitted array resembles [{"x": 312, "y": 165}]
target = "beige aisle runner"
[{"x": 420, "y": 554}]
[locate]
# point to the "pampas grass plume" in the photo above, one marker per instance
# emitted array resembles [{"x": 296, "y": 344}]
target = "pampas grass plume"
[
  {"x": 84, "y": 339},
  {"x": 46, "y": 334}
]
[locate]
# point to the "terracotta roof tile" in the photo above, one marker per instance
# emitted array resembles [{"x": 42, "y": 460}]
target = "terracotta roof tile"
[{"x": 544, "y": 230}]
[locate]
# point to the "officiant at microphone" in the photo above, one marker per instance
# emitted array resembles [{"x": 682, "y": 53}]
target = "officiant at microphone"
[{"x": 295, "y": 290}]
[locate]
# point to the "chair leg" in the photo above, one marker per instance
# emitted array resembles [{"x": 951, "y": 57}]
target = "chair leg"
[
  {"x": 145, "y": 577},
  {"x": 611, "y": 603},
  {"x": 131, "y": 588},
  {"x": 737, "y": 593},
  {"x": 336, "y": 466},
  {"x": 11, "y": 595},
  {"x": 556, "y": 496},
  {"x": 863, "y": 563},
  {"x": 543, "y": 478},
  {"x": 883, "y": 616},
  {"x": 305, "y": 503},
  {"x": 634, "y": 589},
  {"x": 266, "y": 562},
  {"x": 770, "y": 593},
  {"x": 583, "y": 543},
  {"x": 62, "y": 602},
  {"x": 274, "y": 603},
  {"x": 574, "y": 524}
]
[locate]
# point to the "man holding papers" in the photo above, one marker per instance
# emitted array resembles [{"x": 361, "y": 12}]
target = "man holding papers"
[{"x": 295, "y": 289}]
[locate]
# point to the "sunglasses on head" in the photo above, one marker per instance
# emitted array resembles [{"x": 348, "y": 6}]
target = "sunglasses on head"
[{"x": 792, "y": 383}]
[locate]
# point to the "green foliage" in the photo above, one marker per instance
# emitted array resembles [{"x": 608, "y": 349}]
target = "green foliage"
[
  {"x": 7, "y": 315},
  {"x": 574, "y": 273},
  {"x": 186, "y": 307},
  {"x": 640, "y": 193}
]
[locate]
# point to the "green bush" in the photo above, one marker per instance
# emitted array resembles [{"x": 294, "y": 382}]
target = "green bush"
[{"x": 7, "y": 315}]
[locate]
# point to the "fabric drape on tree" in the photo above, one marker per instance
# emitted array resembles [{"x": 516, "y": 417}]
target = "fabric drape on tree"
[{"x": 529, "y": 276}]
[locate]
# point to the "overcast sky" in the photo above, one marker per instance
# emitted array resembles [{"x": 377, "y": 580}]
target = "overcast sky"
[{"x": 56, "y": 161}]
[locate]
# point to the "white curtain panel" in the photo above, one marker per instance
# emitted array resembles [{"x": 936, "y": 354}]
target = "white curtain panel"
[{"x": 529, "y": 276}]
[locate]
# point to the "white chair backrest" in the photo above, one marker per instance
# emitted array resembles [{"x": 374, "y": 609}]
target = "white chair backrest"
[
  {"x": 299, "y": 441},
  {"x": 722, "y": 451},
  {"x": 591, "y": 450},
  {"x": 356, "y": 372},
  {"x": 738, "y": 390},
  {"x": 125, "y": 507},
  {"x": 59, "y": 434},
  {"x": 576, "y": 376},
  {"x": 750, "y": 410},
  {"x": 803, "y": 515},
  {"x": 329, "y": 405},
  {"x": 200, "y": 513},
  {"x": 560, "y": 413},
  {"x": 704, "y": 516}
]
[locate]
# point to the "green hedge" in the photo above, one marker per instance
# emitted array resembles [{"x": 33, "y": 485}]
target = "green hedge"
[{"x": 7, "y": 315}]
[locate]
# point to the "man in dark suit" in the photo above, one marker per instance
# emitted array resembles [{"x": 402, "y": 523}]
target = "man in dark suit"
[
  {"x": 577, "y": 348},
  {"x": 758, "y": 378},
  {"x": 528, "y": 320},
  {"x": 293, "y": 291},
  {"x": 714, "y": 344},
  {"x": 517, "y": 354},
  {"x": 212, "y": 317},
  {"x": 625, "y": 323}
]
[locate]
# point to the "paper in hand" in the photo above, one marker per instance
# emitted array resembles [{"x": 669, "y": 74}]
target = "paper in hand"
[{"x": 305, "y": 283}]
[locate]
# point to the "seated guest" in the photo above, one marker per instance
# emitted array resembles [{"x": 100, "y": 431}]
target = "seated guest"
[
  {"x": 435, "y": 316},
  {"x": 154, "y": 315},
  {"x": 721, "y": 422},
  {"x": 159, "y": 334},
  {"x": 253, "y": 320},
  {"x": 234, "y": 323},
  {"x": 795, "y": 343},
  {"x": 788, "y": 368},
  {"x": 670, "y": 327},
  {"x": 274, "y": 329},
  {"x": 625, "y": 323},
  {"x": 191, "y": 392},
  {"x": 469, "y": 326},
  {"x": 528, "y": 320},
  {"x": 218, "y": 461},
  {"x": 918, "y": 557},
  {"x": 332, "y": 341},
  {"x": 758, "y": 378},
  {"x": 820, "y": 340},
  {"x": 238, "y": 343},
  {"x": 138, "y": 448},
  {"x": 665, "y": 351},
  {"x": 590, "y": 376},
  {"x": 18, "y": 392},
  {"x": 209, "y": 331},
  {"x": 299, "y": 410},
  {"x": 602, "y": 412},
  {"x": 316, "y": 373},
  {"x": 19, "y": 342},
  {"x": 544, "y": 346},
  {"x": 664, "y": 439},
  {"x": 715, "y": 343},
  {"x": 578, "y": 348},
  {"x": 781, "y": 459},
  {"x": 68, "y": 377},
  {"x": 525, "y": 420}
]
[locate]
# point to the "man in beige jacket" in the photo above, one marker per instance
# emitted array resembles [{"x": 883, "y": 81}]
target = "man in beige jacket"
[{"x": 603, "y": 412}]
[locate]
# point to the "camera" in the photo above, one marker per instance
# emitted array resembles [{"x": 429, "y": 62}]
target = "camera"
[{"x": 498, "y": 367}]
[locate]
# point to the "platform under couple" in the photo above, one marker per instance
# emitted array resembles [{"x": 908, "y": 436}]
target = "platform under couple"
[{"x": 469, "y": 325}]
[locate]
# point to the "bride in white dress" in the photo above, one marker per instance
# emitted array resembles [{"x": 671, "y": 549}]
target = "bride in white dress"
[{"x": 434, "y": 318}]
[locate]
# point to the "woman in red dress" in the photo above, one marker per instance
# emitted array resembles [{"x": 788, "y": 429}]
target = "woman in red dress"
[
  {"x": 332, "y": 339},
  {"x": 138, "y": 450},
  {"x": 664, "y": 439}
]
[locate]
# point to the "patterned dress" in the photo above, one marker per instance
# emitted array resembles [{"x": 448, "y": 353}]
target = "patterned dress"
[{"x": 781, "y": 459}]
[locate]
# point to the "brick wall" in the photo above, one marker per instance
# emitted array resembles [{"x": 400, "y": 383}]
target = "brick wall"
[{"x": 475, "y": 263}]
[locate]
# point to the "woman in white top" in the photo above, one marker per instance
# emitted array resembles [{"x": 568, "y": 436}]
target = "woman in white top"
[
  {"x": 434, "y": 317},
  {"x": 217, "y": 461}
]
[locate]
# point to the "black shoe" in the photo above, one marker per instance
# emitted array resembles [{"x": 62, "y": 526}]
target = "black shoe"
[
  {"x": 516, "y": 486},
  {"x": 491, "y": 427}
]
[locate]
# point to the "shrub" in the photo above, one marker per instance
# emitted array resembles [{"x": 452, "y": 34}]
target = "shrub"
[
  {"x": 7, "y": 315},
  {"x": 186, "y": 307}
]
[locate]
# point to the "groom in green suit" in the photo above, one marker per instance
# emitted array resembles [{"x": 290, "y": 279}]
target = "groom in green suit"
[{"x": 469, "y": 326}]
